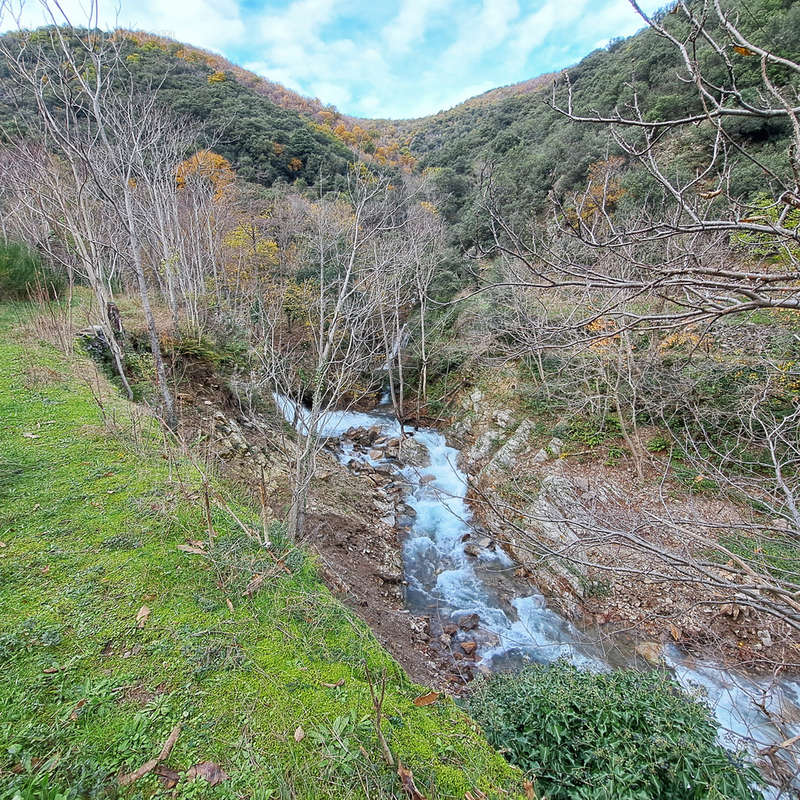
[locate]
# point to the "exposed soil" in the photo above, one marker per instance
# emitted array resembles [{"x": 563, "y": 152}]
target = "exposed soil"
[{"x": 359, "y": 554}]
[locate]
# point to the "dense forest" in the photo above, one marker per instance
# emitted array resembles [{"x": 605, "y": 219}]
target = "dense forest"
[{"x": 455, "y": 457}]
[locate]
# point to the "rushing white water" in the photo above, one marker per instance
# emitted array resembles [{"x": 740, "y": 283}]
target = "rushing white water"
[{"x": 447, "y": 585}]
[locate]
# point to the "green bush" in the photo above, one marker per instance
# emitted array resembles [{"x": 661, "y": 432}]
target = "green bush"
[
  {"x": 625, "y": 735},
  {"x": 22, "y": 272}
]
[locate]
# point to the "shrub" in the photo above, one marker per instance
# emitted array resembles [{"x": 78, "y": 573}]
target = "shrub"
[
  {"x": 22, "y": 271},
  {"x": 625, "y": 735}
]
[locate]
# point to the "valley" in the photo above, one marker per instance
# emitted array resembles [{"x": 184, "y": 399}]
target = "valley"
[{"x": 453, "y": 457}]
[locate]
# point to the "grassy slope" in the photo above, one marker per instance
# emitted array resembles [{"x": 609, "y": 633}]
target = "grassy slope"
[{"x": 90, "y": 523}]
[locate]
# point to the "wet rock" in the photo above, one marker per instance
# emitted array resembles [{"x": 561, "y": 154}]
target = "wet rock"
[
  {"x": 445, "y": 639},
  {"x": 450, "y": 629},
  {"x": 485, "y": 543},
  {"x": 650, "y": 651},
  {"x": 469, "y": 647},
  {"x": 469, "y": 622},
  {"x": 412, "y": 452},
  {"x": 375, "y": 454},
  {"x": 471, "y": 550}
]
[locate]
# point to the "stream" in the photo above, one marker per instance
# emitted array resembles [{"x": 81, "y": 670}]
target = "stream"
[{"x": 514, "y": 624}]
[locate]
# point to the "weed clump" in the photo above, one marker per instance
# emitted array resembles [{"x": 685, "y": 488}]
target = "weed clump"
[
  {"x": 623, "y": 735},
  {"x": 22, "y": 274}
]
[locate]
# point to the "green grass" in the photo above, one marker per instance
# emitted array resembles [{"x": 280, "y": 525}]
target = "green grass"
[{"x": 90, "y": 521}]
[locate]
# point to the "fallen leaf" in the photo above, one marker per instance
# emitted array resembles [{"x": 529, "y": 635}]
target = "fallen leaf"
[
  {"x": 141, "y": 616},
  {"x": 51, "y": 670},
  {"x": 130, "y": 777},
  {"x": 529, "y": 793},
  {"x": 209, "y": 771},
  {"x": 189, "y": 548},
  {"x": 426, "y": 699},
  {"x": 2, "y": 544},
  {"x": 336, "y": 685},
  {"x": 743, "y": 51},
  {"x": 169, "y": 777},
  {"x": 31, "y": 435},
  {"x": 170, "y": 743},
  {"x": 74, "y": 713},
  {"x": 45, "y": 570},
  {"x": 676, "y": 634},
  {"x": 407, "y": 782},
  {"x": 229, "y": 604},
  {"x": 254, "y": 585},
  {"x": 299, "y": 734},
  {"x": 476, "y": 795}
]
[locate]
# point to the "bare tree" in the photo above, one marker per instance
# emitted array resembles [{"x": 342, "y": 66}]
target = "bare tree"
[
  {"x": 111, "y": 137},
  {"x": 697, "y": 252},
  {"x": 338, "y": 348}
]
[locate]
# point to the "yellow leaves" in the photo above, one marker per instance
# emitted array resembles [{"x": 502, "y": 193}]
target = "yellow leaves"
[
  {"x": 429, "y": 207},
  {"x": 604, "y": 330},
  {"x": 361, "y": 171},
  {"x": 277, "y": 148},
  {"x": 299, "y": 298},
  {"x": 743, "y": 51},
  {"x": 687, "y": 338},
  {"x": 295, "y": 165},
  {"x": 218, "y": 76},
  {"x": 206, "y": 165},
  {"x": 247, "y": 236}
]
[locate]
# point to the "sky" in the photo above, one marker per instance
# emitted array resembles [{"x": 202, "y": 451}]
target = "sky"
[{"x": 378, "y": 58}]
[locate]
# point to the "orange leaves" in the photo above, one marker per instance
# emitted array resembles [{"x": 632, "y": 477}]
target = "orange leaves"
[
  {"x": 426, "y": 699},
  {"x": 206, "y": 165},
  {"x": 295, "y": 165}
]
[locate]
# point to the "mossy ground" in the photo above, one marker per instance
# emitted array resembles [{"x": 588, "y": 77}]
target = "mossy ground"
[{"x": 90, "y": 523}]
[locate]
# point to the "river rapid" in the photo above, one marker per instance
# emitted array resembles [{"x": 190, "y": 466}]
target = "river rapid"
[{"x": 515, "y": 624}]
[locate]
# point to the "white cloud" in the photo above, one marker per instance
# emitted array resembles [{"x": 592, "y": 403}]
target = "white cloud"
[
  {"x": 391, "y": 58},
  {"x": 411, "y": 23},
  {"x": 534, "y": 29},
  {"x": 210, "y": 24}
]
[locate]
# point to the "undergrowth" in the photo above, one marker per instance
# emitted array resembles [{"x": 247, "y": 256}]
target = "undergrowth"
[{"x": 625, "y": 735}]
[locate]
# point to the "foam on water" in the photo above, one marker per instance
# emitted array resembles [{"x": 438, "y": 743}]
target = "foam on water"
[
  {"x": 442, "y": 580},
  {"x": 332, "y": 423}
]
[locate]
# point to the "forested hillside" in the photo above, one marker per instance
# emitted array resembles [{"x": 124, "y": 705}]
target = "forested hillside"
[
  {"x": 534, "y": 149},
  {"x": 264, "y": 141}
]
